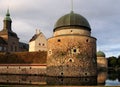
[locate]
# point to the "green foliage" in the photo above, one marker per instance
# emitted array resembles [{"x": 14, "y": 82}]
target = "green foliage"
[
  {"x": 112, "y": 61},
  {"x": 23, "y": 57},
  {"x": 118, "y": 61}
]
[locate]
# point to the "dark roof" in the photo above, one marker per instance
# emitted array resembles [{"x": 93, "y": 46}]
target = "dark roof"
[
  {"x": 7, "y": 32},
  {"x": 72, "y": 19},
  {"x": 23, "y": 45},
  {"x": 34, "y": 37},
  {"x": 100, "y": 54},
  {"x": 2, "y": 41}
]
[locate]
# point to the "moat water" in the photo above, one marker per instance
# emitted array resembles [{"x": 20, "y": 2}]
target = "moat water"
[{"x": 110, "y": 78}]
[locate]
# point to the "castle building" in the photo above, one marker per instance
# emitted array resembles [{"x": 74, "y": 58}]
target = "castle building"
[
  {"x": 9, "y": 41},
  {"x": 3, "y": 45},
  {"x": 10, "y": 38},
  {"x": 38, "y": 42},
  {"x": 101, "y": 60},
  {"x": 72, "y": 49}
]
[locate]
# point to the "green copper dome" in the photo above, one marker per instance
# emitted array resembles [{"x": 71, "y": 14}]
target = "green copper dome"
[
  {"x": 7, "y": 17},
  {"x": 72, "y": 19},
  {"x": 100, "y": 54}
]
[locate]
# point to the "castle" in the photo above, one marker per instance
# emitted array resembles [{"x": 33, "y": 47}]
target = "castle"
[
  {"x": 38, "y": 42},
  {"x": 72, "y": 49},
  {"x": 9, "y": 41},
  {"x": 102, "y": 62},
  {"x": 71, "y": 52}
]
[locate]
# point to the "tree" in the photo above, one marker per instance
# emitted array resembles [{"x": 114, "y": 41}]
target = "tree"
[
  {"x": 112, "y": 61},
  {"x": 118, "y": 61}
]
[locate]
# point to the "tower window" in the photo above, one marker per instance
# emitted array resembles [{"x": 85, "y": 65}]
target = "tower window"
[
  {"x": 59, "y": 40},
  {"x": 85, "y": 73},
  {"x": 39, "y": 44},
  {"x": 87, "y": 40},
  {"x": 43, "y": 44},
  {"x": 61, "y": 73},
  {"x": 30, "y": 67},
  {"x": 70, "y": 60},
  {"x": 74, "y": 50},
  {"x": 50, "y": 52},
  {"x": 71, "y": 31}
]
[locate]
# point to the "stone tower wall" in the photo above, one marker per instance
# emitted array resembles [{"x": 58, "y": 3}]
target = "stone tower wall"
[
  {"x": 72, "y": 31},
  {"x": 71, "y": 56},
  {"x": 102, "y": 62}
]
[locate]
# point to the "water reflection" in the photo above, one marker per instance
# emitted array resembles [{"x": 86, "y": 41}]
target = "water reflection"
[
  {"x": 72, "y": 81},
  {"x": 22, "y": 79},
  {"x": 113, "y": 78},
  {"x": 102, "y": 76},
  {"x": 43, "y": 80}
]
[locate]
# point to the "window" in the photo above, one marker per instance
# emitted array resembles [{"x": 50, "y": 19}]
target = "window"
[
  {"x": 0, "y": 48},
  {"x": 74, "y": 50},
  {"x": 43, "y": 44},
  {"x": 85, "y": 73},
  {"x": 71, "y": 31},
  {"x": 39, "y": 44},
  {"x": 87, "y": 40},
  {"x": 61, "y": 73},
  {"x": 59, "y": 40},
  {"x": 70, "y": 60},
  {"x": 50, "y": 52}
]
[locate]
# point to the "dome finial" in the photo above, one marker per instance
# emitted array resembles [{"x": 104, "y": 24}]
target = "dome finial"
[
  {"x": 72, "y": 5},
  {"x": 7, "y": 17},
  {"x": 8, "y": 14}
]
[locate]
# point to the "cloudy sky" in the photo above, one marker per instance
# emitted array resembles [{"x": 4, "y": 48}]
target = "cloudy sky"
[{"x": 29, "y": 15}]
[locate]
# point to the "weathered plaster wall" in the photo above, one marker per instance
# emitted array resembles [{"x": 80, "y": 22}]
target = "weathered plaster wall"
[
  {"x": 102, "y": 62},
  {"x": 72, "y": 31},
  {"x": 71, "y": 55}
]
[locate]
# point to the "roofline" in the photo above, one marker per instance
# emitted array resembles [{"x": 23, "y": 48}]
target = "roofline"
[
  {"x": 72, "y": 35},
  {"x": 71, "y": 26}
]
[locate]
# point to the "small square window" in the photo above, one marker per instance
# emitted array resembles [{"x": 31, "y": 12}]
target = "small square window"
[
  {"x": 87, "y": 40},
  {"x": 43, "y": 44},
  {"x": 59, "y": 40},
  {"x": 74, "y": 50}
]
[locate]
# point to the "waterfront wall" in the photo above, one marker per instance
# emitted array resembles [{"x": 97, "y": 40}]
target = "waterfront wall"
[
  {"x": 22, "y": 79},
  {"x": 72, "y": 56},
  {"x": 23, "y": 58},
  {"x": 23, "y": 69}
]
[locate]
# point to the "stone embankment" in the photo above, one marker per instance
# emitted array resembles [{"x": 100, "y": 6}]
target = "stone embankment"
[{"x": 23, "y": 69}]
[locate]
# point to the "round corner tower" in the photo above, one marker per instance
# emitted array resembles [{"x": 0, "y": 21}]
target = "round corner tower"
[{"x": 72, "y": 50}]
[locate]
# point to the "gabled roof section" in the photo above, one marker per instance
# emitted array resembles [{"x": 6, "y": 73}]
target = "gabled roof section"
[
  {"x": 35, "y": 37},
  {"x": 2, "y": 41}
]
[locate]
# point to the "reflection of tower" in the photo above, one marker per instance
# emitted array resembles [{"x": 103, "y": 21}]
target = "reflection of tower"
[
  {"x": 102, "y": 76},
  {"x": 72, "y": 50},
  {"x": 87, "y": 81}
]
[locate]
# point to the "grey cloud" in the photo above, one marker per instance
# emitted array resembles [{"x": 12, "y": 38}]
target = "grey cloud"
[{"x": 103, "y": 16}]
